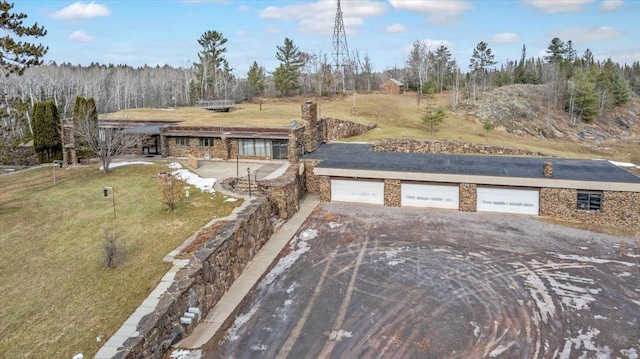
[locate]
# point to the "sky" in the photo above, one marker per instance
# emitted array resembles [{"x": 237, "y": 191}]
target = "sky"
[{"x": 155, "y": 32}]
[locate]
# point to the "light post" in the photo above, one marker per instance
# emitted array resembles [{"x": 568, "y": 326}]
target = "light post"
[
  {"x": 56, "y": 162},
  {"x": 249, "y": 178},
  {"x": 105, "y": 191}
]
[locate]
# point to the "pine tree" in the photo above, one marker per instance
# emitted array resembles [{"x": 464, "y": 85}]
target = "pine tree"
[
  {"x": 286, "y": 75},
  {"x": 16, "y": 56},
  {"x": 212, "y": 63},
  {"x": 256, "y": 78},
  {"x": 46, "y": 132},
  {"x": 433, "y": 116},
  {"x": 581, "y": 96}
]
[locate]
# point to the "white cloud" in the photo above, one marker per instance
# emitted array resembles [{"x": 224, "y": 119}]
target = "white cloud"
[
  {"x": 80, "y": 36},
  {"x": 319, "y": 17},
  {"x": 79, "y": 10},
  {"x": 558, "y": 6},
  {"x": 581, "y": 35},
  {"x": 440, "y": 11},
  {"x": 396, "y": 28},
  {"x": 610, "y": 5},
  {"x": 505, "y": 38}
]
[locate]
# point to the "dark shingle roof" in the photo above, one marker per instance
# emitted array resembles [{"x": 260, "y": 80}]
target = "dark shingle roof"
[{"x": 358, "y": 156}]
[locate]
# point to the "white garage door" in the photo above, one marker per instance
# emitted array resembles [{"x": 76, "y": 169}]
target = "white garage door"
[
  {"x": 525, "y": 201},
  {"x": 434, "y": 196},
  {"x": 357, "y": 191}
]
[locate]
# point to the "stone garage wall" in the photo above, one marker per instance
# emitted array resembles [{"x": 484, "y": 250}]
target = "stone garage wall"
[
  {"x": 621, "y": 209},
  {"x": 324, "y": 188},
  {"x": 468, "y": 197},
  {"x": 392, "y": 193},
  {"x": 446, "y": 146},
  {"x": 331, "y": 129}
]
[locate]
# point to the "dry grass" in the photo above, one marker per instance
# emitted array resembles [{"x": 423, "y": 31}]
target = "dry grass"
[
  {"x": 56, "y": 296},
  {"x": 397, "y": 116}
]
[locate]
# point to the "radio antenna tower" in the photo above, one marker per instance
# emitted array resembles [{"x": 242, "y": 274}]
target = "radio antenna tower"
[{"x": 340, "y": 49}]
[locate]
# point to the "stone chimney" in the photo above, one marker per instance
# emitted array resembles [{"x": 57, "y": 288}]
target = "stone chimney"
[
  {"x": 548, "y": 169},
  {"x": 310, "y": 119}
]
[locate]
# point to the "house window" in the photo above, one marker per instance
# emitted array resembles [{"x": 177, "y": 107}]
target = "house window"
[
  {"x": 205, "y": 142},
  {"x": 182, "y": 141},
  {"x": 254, "y": 147},
  {"x": 589, "y": 201}
]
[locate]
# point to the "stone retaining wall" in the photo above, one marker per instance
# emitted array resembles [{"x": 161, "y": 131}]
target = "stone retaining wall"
[
  {"x": 331, "y": 129},
  {"x": 284, "y": 193},
  {"x": 202, "y": 282},
  {"x": 620, "y": 209},
  {"x": 214, "y": 268},
  {"x": 447, "y": 146},
  {"x": 311, "y": 180}
]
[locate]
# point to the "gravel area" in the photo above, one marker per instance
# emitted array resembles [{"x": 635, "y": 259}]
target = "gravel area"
[{"x": 368, "y": 282}]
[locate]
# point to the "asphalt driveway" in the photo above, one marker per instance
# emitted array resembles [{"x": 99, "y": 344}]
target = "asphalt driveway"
[{"x": 368, "y": 282}]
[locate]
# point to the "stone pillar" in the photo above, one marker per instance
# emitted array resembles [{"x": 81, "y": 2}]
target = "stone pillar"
[
  {"x": 164, "y": 148},
  {"x": 310, "y": 119},
  {"x": 468, "y": 197},
  {"x": 294, "y": 147},
  {"x": 226, "y": 148},
  {"x": 548, "y": 169},
  {"x": 324, "y": 187},
  {"x": 392, "y": 193}
]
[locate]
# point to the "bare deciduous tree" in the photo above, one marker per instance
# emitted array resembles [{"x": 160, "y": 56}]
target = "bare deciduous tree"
[{"x": 106, "y": 142}]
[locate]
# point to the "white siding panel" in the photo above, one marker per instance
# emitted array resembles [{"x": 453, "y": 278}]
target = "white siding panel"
[
  {"x": 433, "y": 196},
  {"x": 357, "y": 191},
  {"x": 523, "y": 201}
]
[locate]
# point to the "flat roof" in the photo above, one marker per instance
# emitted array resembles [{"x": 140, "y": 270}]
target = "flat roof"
[{"x": 359, "y": 157}]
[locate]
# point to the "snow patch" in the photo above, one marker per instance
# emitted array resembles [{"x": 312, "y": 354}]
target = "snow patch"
[
  {"x": 337, "y": 335},
  {"x": 476, "y": 329},
  {"x": 288, "y": 301},
  {"x": 203, "y": 184},
  {"x": 299, "y": 246},
  {"x": 232, "y": 333},
  {"x": 174, "y": 165},
  {"x": 186, "y": 354},
  {"x": 126, "y": 163},
  {"x": 334, "y": 225},
  {"x": 630, "y": 353},
  {"x": 599, "y": 317},
  {"x": 258, "y": 348},
  {"x": 499, "y": 350},
  {"x": 78, "y": 356},
  {"x": 624, "y": 164},
  {"x": 292, "y": 287},
  {"x": 231, "y": 200},
  {"x": 591, "y": 259},
  {"x": 624, "y": 274},
  {"x": 586, "y": 343}
]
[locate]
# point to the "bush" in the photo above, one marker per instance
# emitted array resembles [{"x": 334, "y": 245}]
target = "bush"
[{"x": 114, "y": 252}]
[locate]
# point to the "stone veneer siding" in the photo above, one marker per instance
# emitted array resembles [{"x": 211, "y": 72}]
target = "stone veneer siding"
[
  {"x": 392, "y": 193},
  {"x": 468, "y": 197},
  {"x": 447, "y": 146},
  {"x": 311, "y": 181},
  {"x": 324, "y": 188},
  {"x": 621, "y": 209},
  {"x": 215, "y": 151}
]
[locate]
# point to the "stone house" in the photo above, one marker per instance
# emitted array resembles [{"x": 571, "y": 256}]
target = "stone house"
[{"x": 392, "y": 87}]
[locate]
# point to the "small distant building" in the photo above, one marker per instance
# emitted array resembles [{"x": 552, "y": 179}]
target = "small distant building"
[{"x": 392, "y": 87}]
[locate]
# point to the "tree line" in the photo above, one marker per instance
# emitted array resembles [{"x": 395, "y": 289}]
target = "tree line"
[{"x": 585, "y": 88}]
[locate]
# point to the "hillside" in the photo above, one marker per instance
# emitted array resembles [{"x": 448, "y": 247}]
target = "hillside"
[{"x": 519, "y": 113}]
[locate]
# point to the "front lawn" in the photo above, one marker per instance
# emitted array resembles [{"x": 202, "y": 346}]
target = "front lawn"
[{"x": 57, "y": 298}]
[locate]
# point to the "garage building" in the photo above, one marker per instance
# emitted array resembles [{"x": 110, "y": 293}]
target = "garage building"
[{"x": 586, "y": 190}]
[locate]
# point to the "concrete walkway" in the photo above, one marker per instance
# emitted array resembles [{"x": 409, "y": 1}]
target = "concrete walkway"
[{"x": 249, "y": 277}]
